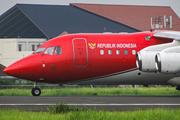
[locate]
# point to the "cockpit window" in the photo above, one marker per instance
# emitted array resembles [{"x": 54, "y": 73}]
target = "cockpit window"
[
  {"x": 58, "y": 50},
  {"x": 49, "y": 51},
  {"x": 40, "y": 50}
]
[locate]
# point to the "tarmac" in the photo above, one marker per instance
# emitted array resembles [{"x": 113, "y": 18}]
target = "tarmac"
[{"x": 110, "y": 103}]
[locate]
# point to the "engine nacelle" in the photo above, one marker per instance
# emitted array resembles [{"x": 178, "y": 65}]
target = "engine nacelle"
[
  {"x": 167, "y": 62},
  {"x": 145, "y": 61}
]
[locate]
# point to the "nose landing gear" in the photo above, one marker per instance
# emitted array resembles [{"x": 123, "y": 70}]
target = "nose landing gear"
[
  {"x": 35, "y": 91},
  {"x": 178, "y": 88}
]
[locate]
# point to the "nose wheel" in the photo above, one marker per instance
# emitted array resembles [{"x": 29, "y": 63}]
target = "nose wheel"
[{"x": 35, "y": 91}]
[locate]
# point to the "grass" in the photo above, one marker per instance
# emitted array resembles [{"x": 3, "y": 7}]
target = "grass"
[
  {"x": 152, "y": 114},
  {"x": 63, "y": 108},
  {"x": 86, "y": 91}
]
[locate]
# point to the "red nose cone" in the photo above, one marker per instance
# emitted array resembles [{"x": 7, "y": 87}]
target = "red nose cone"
[{"x": 12, "y": 70}]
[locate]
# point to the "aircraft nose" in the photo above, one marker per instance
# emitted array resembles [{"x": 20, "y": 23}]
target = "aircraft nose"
[{"x": 12, "y": 70}]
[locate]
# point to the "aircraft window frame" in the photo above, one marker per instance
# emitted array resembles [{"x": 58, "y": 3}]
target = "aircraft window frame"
[
  {"x": 117, "y": 52},
  {"x": 49, "y": 51},
  {"x": 110, "y": 52},
  {"x": 134, "y": 52},
  {"x": 102, "y": 52},
  {"x": 57, "y": 51},
  {"x": 39, "y": 50},
  {"x": 125, "y": 52}
]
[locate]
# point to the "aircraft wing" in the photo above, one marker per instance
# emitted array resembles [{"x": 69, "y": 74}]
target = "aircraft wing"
[
  {"x": 168, "y": 34},
  {"x": 163, "y": 58}
]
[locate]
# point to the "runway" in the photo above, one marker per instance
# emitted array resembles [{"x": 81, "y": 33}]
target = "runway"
[{"x": 119, "y": 103}]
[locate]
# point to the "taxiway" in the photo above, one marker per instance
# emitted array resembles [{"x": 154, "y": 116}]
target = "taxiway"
[{"x": 119, "y": 103}]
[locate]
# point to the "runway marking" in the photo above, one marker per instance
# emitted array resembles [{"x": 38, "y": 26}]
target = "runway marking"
[{"x": 93, "y": 104}]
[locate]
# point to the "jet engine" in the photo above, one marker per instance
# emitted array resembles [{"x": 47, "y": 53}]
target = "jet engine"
[
  {"x": 168, "y": 60},
  {"x": 145, "y": 61}
]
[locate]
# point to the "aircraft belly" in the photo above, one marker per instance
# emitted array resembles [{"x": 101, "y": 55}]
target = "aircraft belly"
[{"x": 131, "y": 77}]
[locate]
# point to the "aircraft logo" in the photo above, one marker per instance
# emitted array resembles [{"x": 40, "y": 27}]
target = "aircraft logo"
[{"x": 92, "y": 46}]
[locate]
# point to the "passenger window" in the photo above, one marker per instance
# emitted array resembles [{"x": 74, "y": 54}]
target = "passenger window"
[
  {"x": 125, "y": 52},
  {"x": 40, "y": 50},
  {"x": 102, "y": 52},
  {"x": 49, "y": 51},
  {"x": 109, "y": 52},
  {"x": 133, "y": 52},
  {"x": 117, "y": 52},
  {"x": 58, "y": 50}
]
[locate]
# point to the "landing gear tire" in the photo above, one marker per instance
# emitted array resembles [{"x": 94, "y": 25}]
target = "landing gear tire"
[
  {"x": 178, "y": 88},
  {"x": 36, "y": 91}
]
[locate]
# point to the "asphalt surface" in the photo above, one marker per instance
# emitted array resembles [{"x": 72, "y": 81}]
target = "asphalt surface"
[{"x": 119, "y": 103}]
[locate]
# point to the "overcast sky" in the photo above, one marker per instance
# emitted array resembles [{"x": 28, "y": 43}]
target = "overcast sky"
[{"x": 175, "y": 4}]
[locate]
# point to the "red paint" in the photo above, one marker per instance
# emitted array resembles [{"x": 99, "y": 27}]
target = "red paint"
[{"x": 81, "y": 59}]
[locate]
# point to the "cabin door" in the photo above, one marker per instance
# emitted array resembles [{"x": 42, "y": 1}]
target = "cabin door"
[{"x": 80, "y": 52}]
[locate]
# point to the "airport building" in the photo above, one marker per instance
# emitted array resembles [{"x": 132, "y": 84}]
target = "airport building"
[
  {"x": 24, "y": 27},
  {"x": 13, "y": 49}
]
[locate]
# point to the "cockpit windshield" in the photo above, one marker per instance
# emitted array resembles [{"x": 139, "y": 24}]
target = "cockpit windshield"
[
  {"x": 58, "y": 50},
  {"x": 39, "y": 50},
  {"x": 49, "y": 51}
]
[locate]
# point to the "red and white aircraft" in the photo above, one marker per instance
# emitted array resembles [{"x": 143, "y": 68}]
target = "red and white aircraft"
[{"x": 106, "y": 58}]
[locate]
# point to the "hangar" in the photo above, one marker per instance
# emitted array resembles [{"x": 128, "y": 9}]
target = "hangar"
[
  {"x": 26, "y": 26},
  {"x": 135, "y": 16},
  {"x": 48, "y": 21}
]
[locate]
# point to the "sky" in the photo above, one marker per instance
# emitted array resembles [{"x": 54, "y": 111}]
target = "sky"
[{"x": 174, "y": 4}]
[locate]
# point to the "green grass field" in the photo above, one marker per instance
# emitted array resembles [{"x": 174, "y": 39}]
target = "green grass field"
[
  {"x": 87, "y": 91},
  {"x": 152, "y": 114}
]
